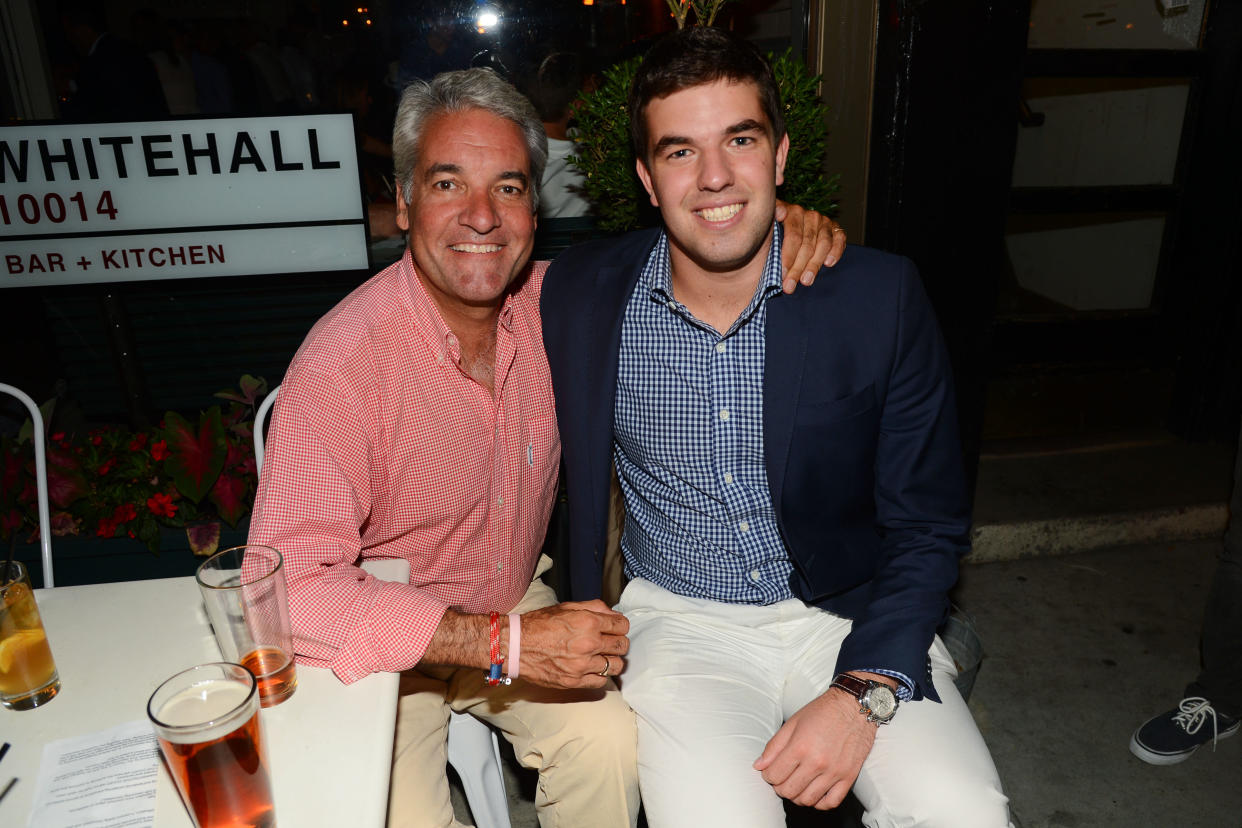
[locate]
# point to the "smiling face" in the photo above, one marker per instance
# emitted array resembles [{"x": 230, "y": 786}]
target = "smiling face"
[
  {"x": 712, "y": 169},
  {"x": 468, "y": 211}
]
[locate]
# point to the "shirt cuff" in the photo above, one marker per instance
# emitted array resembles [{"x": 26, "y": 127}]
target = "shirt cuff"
[{"x": 905, "y": 687}]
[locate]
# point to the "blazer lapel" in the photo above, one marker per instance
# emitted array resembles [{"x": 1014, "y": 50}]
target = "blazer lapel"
[
  {"x": 784, "y": 356},
  {"x": 609, "y": 294}
]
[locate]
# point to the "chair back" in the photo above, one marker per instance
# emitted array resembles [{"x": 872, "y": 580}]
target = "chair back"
[
  {"x": 38, "y": 438},
  {"x": 260, "y": 425}
]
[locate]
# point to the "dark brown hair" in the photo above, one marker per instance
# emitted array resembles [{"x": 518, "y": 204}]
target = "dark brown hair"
[{"x": 696, "y": 56}]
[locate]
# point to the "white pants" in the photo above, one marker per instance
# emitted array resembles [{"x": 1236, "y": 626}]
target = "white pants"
[{"x": 712, "y": 682}]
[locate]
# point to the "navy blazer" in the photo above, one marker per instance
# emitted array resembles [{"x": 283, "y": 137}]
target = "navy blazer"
[{"x": 860, "y": 439}]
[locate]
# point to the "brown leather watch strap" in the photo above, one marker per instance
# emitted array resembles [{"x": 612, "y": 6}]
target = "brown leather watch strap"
[{"x": 853, "y": 685}]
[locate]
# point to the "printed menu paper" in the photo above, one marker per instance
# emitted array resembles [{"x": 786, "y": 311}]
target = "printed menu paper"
[{"x": 101, "y": 780}]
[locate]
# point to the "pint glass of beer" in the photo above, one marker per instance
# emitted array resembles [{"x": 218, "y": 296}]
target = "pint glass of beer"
[
  {"x": 28, "y": 676},
  {"x": 207, "y": 722},
  {"x": 243, "y": 589}
]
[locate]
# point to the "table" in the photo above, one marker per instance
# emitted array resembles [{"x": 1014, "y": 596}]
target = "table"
[{"x": 330, "y": 744}]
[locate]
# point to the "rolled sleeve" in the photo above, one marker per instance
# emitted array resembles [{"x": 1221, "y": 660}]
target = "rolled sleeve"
[{"x": 314, "y": 496}]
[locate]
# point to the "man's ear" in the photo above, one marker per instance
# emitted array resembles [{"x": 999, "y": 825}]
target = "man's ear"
[
  {"x": 645, "y": 177},
  {"x": 782, "y": 152},
  {"x": 403, "y": 218}
]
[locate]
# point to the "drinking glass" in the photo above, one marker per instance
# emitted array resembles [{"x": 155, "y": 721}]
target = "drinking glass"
[
  {"x": 206, "y": 720},
  {"x": 243, "y": 589},
  {"x": 28, "y": 676}
]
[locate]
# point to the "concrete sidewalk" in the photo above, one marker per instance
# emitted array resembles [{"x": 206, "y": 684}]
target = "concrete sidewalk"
[{"x": 1079, "y": 651}]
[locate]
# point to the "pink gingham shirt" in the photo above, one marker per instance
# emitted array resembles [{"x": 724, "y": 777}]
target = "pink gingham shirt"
[{"x": 381, "y": 447}]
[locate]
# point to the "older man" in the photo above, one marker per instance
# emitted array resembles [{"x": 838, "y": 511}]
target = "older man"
[{"x": 417, "y": 422}]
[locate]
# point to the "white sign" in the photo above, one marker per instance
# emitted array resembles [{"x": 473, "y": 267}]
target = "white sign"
[{"x": 179, "y": 199}]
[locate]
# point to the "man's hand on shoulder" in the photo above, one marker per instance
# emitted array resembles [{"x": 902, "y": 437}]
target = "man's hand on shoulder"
[
  {"x": 815, "y": 757},
  {"x": 810, "y": 240}
]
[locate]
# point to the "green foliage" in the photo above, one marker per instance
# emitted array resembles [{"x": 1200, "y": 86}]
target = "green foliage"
[
  {"x": 602, "y": 151},
  {"x": 116, "y": 482},
  {"x": 805, "y": 182},
  {"x": 705, "y": 11},
  {"x": 198, "y": 452}
]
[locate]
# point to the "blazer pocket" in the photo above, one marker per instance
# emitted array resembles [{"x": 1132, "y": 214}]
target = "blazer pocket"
[{"x": 851, "y": 405}]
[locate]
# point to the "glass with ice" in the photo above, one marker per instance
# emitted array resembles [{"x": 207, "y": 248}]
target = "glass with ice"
[{"x": 28, "y": 676}]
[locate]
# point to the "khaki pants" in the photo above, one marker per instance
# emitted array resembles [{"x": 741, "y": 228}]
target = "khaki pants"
[{"x": 582, "y": 742}]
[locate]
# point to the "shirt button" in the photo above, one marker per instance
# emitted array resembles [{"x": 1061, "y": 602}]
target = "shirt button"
[
  {"x": 728, "y": 477},
  {"x": 500, "y": 567},
  {"x": 500, "y": 501},
  {"x": 724, "y": 413},
  {"x": 720, "y": 347},
  {"x": 754, "y": 575},
  {"x": 744, "y": 526}
]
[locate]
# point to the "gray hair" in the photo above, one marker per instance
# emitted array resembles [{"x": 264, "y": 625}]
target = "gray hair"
[{"x": 458, "y": 91}]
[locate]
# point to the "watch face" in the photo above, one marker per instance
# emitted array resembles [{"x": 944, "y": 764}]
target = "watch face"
[{"x": 882, "y": 702}]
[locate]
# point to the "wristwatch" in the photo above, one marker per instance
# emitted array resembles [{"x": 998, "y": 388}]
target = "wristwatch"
[{"x": 875, "y": 700}]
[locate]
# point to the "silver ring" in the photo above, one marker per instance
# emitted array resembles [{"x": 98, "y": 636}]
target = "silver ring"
[
  {"x": 607, "y": 667},
  {"x": 838, "y": 229}
]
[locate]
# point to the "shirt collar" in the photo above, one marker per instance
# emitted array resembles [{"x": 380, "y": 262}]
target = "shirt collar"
[
  {"x": 657, "y": 274},
  {"x": 430, "y": 323}
]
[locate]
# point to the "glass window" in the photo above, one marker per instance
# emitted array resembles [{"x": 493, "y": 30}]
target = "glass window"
[
  {"x": 1075, "y": 263},
  {"x": 1100, "y": 132},
  {"x": 1115, "y": 24}
]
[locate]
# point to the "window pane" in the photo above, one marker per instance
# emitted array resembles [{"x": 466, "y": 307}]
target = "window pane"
[
  {"x": 1113, "y": 24},
  {"x": 1084, "y": 263},
  {"x": 1100, "y": 132}
]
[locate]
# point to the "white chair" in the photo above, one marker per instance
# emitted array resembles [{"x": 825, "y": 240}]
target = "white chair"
[
  {"x": 473, "y": 748},
  {"x": 45, "y": 519}
]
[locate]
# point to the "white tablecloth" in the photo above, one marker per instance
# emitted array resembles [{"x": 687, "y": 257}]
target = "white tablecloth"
[{"x": 330, "y": 745}]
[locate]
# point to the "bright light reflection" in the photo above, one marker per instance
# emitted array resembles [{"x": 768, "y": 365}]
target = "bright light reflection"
[{"x": 487, "y": 19}]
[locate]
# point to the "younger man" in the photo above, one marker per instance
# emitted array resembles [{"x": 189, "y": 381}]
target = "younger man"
[{"x": 791, "y": 471}]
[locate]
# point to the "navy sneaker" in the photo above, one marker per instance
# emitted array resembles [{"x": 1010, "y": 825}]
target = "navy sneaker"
[{"x": 1171, "y": 737}]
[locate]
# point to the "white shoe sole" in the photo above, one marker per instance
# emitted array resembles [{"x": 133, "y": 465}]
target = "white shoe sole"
[{"x": 1153, "y": 758}]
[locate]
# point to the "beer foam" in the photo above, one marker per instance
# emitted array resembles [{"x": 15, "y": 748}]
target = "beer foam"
[{"x": 208, "y": 701}]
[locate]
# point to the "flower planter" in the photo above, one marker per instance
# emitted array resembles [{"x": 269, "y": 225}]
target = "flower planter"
[{"x": 95, "y": 560}]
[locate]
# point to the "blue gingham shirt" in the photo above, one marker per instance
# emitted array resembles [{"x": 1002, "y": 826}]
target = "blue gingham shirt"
[
  {"x": 688, "y": 445},
  {"x": 688, "y": 433}
]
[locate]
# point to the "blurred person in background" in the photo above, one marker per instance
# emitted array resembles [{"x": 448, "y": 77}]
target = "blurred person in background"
[
  {"x": 553, "y": 88},
  {"x": 1211, "y": 705},
  {"x": 167, "y": 45},
  {"x": 114, "y": 81}
]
